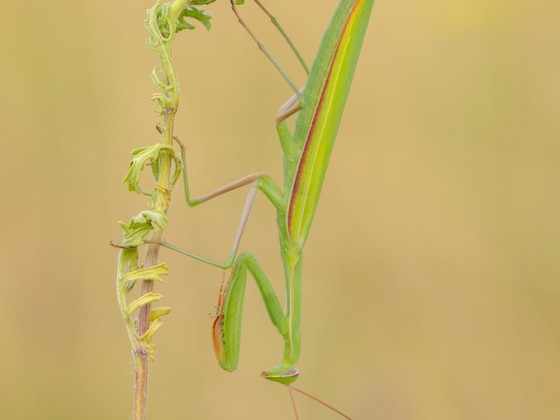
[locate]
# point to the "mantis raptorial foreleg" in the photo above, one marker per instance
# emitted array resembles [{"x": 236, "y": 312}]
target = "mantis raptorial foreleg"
[{"x": 231, "y": 310}]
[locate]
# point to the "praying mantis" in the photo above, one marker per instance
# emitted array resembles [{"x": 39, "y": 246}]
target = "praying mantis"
[{"x": 306, "y": 152}]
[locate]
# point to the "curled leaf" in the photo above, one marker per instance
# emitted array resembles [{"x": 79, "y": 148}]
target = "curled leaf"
[
  {"x": 128, "y": 262},
  {"x": 194, "y": 13},
  {"x": 142, "y": 301},
  {"x": 156, "y": 313},
  {"x": 140, "y": 225},
  {"x": 154, "y": 326},
  {"x": 152, "y": 273},
  {"x": 143, "y": 156}
]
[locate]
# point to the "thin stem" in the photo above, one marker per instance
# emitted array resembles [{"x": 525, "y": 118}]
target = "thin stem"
[
  {"x": 160, "y": 202},
  {"x": 161, "y": 23},
  {"x": 140, "y": 387}
]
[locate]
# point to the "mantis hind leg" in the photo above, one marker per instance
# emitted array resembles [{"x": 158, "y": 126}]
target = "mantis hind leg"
[{"x": 263, "y": 48}]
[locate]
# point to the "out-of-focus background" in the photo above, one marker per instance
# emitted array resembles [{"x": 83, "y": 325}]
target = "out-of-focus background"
[{"x": 431, "y": 280}]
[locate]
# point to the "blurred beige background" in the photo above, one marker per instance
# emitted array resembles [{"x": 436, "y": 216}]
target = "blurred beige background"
[{"x": 431, "y": 281}]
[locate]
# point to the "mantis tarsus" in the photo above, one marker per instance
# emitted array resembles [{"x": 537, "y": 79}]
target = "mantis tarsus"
[{"x": 306, "y": 154}]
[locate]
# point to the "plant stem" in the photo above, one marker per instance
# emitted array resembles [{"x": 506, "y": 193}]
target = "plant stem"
[
  {"x": 160, "y": 202},
  {"x": 164, "y": 20}
]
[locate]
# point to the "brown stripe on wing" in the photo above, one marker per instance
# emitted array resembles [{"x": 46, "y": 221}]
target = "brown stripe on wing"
[{"x": 304, "y": 154}]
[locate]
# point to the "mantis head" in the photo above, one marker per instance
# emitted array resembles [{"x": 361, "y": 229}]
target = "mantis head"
[{"x": 281, "y": 374}]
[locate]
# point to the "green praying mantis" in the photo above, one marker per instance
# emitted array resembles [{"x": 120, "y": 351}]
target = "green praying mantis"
[
  {"x": 306, "y": 152},
  {"x": 320, "y": 105}
]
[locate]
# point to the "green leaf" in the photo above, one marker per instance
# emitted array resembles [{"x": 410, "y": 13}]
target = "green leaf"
[
  {"x": 154, "y": 326},
  {"x": 156, "y": 313},
  {"x": 141, "y": 225},
  {"x": 142, "y": 301},
  {"x": 190, "y": 12},
  {"x": 143, "y": 156},
  {"x": 152, "y": 273}
]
